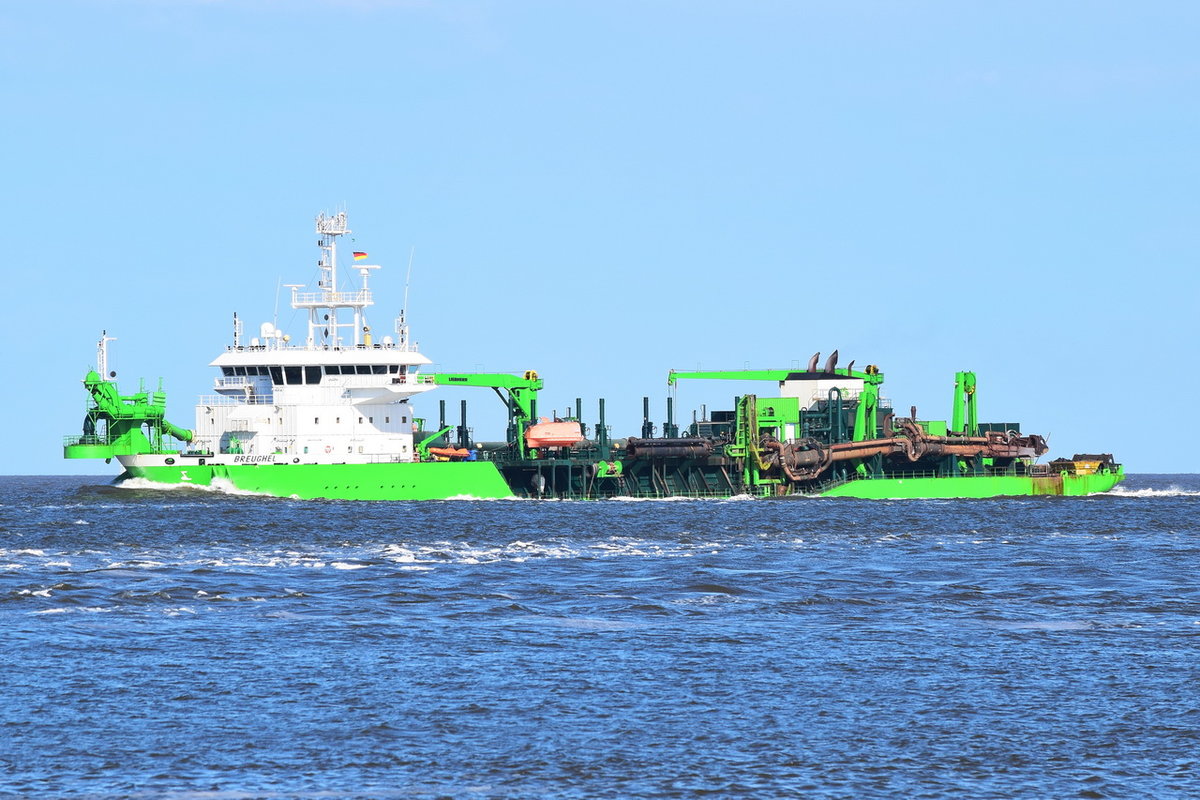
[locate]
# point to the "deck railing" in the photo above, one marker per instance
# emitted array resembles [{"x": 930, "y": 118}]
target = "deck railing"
[
  {"x": 323, "y": 348},
  {"x": 235, "y": 400},
  {"x": 87, "y": 438}
]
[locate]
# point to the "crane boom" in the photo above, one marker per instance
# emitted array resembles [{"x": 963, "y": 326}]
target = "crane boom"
[{"x": 517, "y": 392}]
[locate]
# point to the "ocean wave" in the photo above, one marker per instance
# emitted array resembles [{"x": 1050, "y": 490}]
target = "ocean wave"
[
  {"x": 74, "y": 610},
  {"x": 402, "y": 554}
]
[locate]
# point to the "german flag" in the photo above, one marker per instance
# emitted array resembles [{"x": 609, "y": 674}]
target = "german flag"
[{"x": 359, "y": 255}]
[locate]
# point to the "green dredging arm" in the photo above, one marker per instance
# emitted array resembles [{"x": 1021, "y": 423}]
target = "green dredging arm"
[
  {"x": 118, "y": 425},
  {"x": 519, "y": 396}
]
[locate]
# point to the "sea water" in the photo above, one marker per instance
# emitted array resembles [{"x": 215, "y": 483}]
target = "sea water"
[{"x": 190, "y": 644}]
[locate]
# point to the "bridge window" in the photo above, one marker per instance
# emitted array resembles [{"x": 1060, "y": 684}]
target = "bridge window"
[
  {"x": 362, "y": 369},
  {"x": 227, "y": 371},
  {"x": 312, "y": 374},
  {"x": 239, "y": 370},
  {"x": 394, "y": 368},
  {"x": 276, "y": 375},
  {"x": 293, "y": 375},
  {"x": 379, "y": 369}
]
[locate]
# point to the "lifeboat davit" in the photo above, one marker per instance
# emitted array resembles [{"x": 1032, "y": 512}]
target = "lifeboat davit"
[{"x": 553, "y": 434}]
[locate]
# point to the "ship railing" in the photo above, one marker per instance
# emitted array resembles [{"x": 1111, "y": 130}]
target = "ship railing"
[
  {"x": 235, "y": 382},
  {"x": 235, "y": 400},
  {"x": 323, "y": 348},
  {"x": 87, "y": 438},
  {"x": 97, "y": 440},
  {"x": 328, "y": 299},
  {"x": 848, "y": 396},
  {"x": 381, "y": 380}
]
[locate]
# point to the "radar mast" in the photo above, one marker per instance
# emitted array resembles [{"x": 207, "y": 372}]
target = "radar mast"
[{"x": 327, "y": 330}]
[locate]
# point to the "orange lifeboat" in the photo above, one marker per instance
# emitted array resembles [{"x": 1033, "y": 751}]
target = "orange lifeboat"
[
  {"x": 449, "y": 452},
  {"x": 553, "y": 434}
]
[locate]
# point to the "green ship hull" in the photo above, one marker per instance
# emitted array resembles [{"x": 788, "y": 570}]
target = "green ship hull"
[
  {"x": 483, "y": 481},
  {"x": 384, "y": 481},
  {"x": 972, "y": 487}
]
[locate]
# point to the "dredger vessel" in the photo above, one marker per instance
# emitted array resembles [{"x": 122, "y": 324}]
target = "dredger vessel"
[{"x": 331, "y": 416}]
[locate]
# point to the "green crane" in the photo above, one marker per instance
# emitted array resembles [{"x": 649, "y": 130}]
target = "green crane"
[
  {"x": 871, "y": 376},
  {"x": 517, "y": 392}
]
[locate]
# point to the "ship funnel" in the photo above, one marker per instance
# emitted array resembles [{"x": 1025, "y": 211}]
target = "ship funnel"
[
  {"x": 812, "y": 362},
  {"x": 831, "y": 364}
]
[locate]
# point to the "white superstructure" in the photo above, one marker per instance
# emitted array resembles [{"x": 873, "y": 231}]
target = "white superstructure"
[{"x": 340, "y": 396}]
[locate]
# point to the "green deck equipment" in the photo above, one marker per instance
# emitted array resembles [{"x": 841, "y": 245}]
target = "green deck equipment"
[
  {"x": 118, "y": 425},
  {"x": 965, "y": 414},
  {"x": 867, "y": 400},
  {"x": 518, "y": 392}
]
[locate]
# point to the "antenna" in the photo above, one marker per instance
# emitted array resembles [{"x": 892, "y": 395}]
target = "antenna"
[
  {"x": 278, "y": 286},
  {"x": 408, "y": 277},
  {"x": 401, "y": 321}
]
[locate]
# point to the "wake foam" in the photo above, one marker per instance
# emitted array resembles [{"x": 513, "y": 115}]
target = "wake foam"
[
  {"x": 679, "y": 499},
  {"x": 1170, "y": 491},
  {"x": 218, "y": 486}
]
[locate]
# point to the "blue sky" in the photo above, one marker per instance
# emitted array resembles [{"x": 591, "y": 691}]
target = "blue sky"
[{"x": 605, "y": 191}]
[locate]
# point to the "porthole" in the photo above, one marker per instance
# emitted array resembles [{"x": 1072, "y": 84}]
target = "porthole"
[{"x": 170, "y": 461}]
